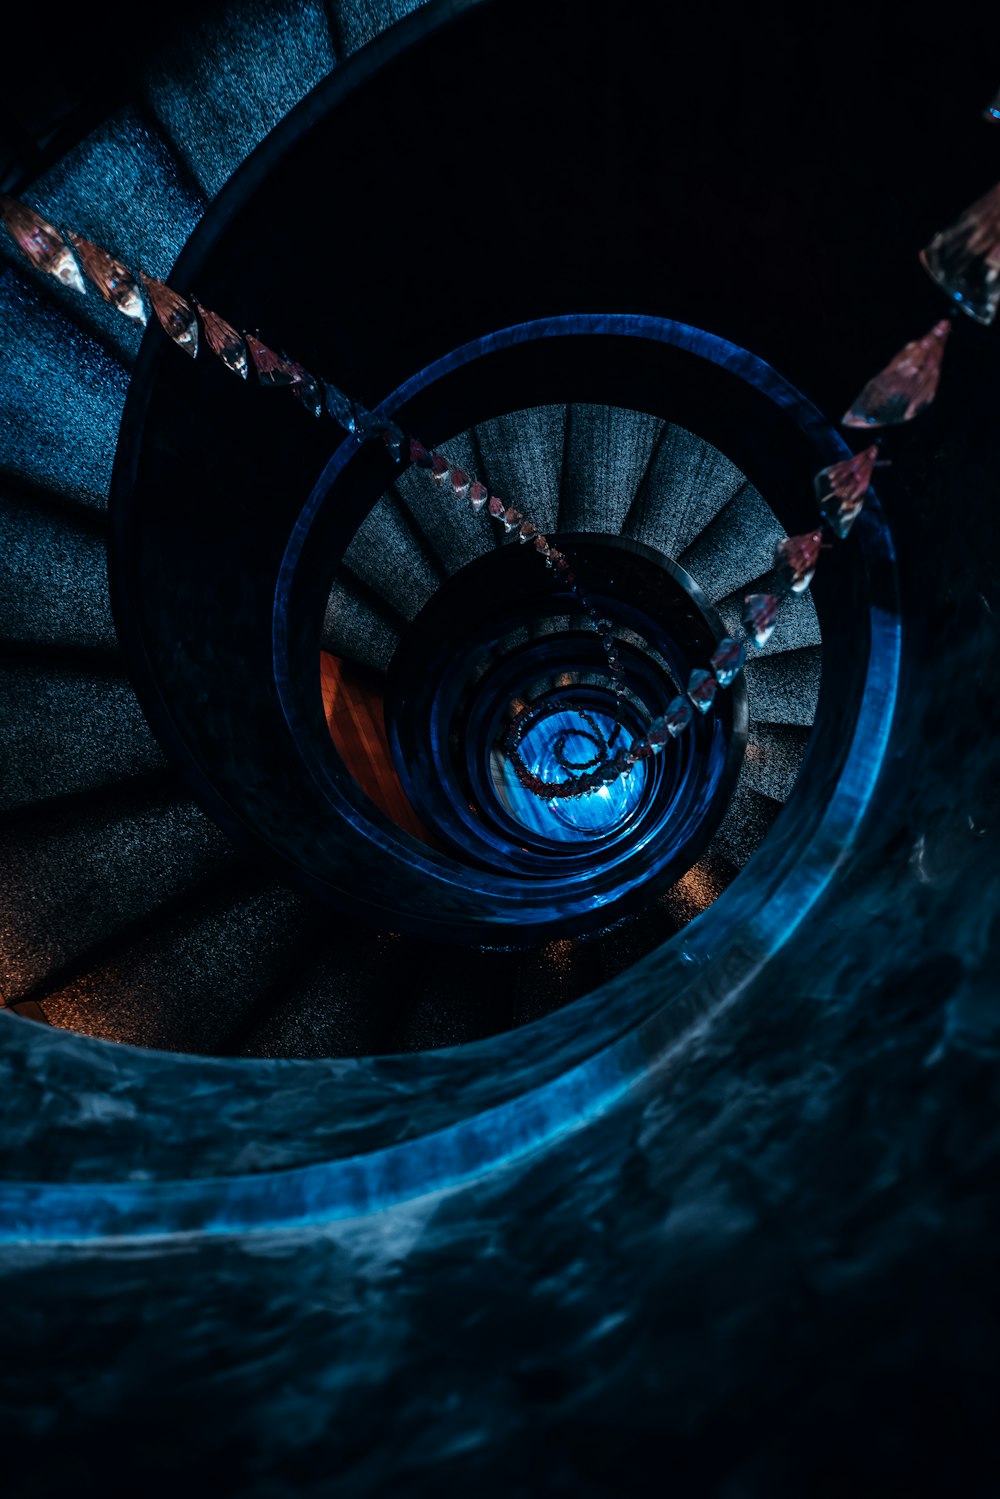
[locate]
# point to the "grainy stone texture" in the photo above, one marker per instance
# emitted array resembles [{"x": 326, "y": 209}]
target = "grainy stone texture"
[
  {"x": 608, "y": 451},
  {"x": 735, "y": 546},
  {"x": 122, "y": 188},
  {"x": 686, "y": 484},
  {"x": 53, "y": 579},
  {"x": 353, "y": 627},
  {"x": 221, "y": 87},
  {"x": 455, "y": 533},
  {"x": 195, "y": 983},
  {"x": 746, "y": 823},
  {"x": 389, "y": 558},
  {"x": 66, "y": 731},
  {"x": 773, "y": 756},
  {"x": 523, "y": 460},
  {"x": 797, "y": 626},
  {"x": 784, "y": 687},
  {"x": 356, "y": 22},
  {"x": 68, "y": 881},
  {"x": 61, "y": 397}
]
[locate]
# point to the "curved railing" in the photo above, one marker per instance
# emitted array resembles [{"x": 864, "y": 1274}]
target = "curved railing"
[
  {"x": 449, "y": 727},
  {"x": 749, "y": 413}
]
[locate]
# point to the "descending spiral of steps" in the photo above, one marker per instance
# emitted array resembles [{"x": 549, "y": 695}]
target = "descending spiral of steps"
[
  {"x": 610, "y": 472},
  {"x": 129, "y": 915},
  {"x": 270, "y": 1037},
  {"x": 125, "y": 905}
]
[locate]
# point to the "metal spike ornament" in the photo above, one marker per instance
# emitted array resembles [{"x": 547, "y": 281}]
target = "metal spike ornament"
[
  {"x": 760, "y": 615},
  {"x": 795, "y": 559},
  {"x": 112, "y": 278},
  {"x": 177, "y": 318},
  {"x": 701, "y": 689},
  {"x": 674, "y": 721},
  {"x": 306, "y": 389},
  {"x": 906, "y": 386},
  {"x": 391, "y": 436},
  {"x": 727, "y": 660},
  {"x": 225, "y": 342},
  {"x": 965, "y": 259},
  {"x": 273, "y": 369},
  {"x": 40, "y": 243},
  {"x": 841, "y": 489}
]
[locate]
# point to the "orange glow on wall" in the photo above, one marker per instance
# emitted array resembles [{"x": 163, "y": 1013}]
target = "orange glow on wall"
[{"x": 355, "y": 714}]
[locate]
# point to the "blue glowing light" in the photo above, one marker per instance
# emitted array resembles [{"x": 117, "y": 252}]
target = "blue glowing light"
[{"x": 559, "y": 738}]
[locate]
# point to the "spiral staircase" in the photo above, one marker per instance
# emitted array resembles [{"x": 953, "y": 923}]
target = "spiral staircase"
[{"x": 506, "y": 1196}]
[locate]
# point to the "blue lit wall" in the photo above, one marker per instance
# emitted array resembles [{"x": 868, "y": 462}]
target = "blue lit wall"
[{"x": 555, "y": 739}]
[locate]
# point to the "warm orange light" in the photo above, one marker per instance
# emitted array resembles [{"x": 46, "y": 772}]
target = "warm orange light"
[{"x": 355, "y": 715}]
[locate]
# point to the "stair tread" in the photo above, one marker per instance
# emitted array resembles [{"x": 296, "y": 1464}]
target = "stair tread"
[
  {"x": 773, "y": 757},
  {"x": 186, "y": 986},
  {"x": 53, "y": 579},
  {"x": 522, "y": 456},
  {"x": 461, "y": 996},
  {"x": 65, "y": 731},
  {"x": 455, "y": 533},
  {"x": 687, "y": 484},
  {"x": 121, "y": 188},
  {"x": 232, "y": 76},
  {"x": 62, "y": 398},
  {"x": 355, "y": 629},
  {"x": 68, "y": 883},
  {"x": 736, "y": 545},
  {"x": 357, "y": 22},
  {"x": 702, "y": 884},
  {"x": 608, "y": 451},
  {"x": 784, "y": 688},
  {"x": 746, "y": 823},
  {"x": 797, "y": 626},
  {"x": 385, "y": 556},
  {"x": 340, "y": 1007}
]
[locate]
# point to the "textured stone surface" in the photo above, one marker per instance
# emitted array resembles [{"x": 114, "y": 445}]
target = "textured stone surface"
[
  {"x": 69, "y": 881},
  {"x": 224, "y": 84},
  {"x": 354, "y": 629},
  {"x": 53, "y": 578},
  {"x": 736, "y": 546},
  {"x": 61, "y": 397},
  {"x": 687, "y": 483},
  {"x": 608, "y": 452},
  {"x": 344, "y": 1003},
  {"x": 121, "y": 188},
  {"x": 194, "y": 983},
  {"x": 746, "y": 823},
  {"x": 356, "y": 22},
  {"x": 65, "y": 731},
  {"x": 784, "y": 687},
  {"x": 389, "y": 558},
  {"x": 455, "y": 533},
  {"x": 523, "y": 460},
  {"x": 773, "y": 756},
  {"x": 797, "y": 625}
]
